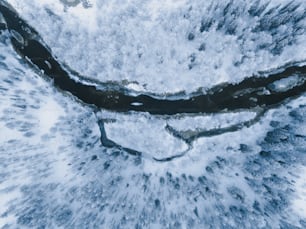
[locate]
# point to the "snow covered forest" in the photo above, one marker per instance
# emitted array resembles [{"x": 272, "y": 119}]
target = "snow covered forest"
[{"x": 152, "y": 114}]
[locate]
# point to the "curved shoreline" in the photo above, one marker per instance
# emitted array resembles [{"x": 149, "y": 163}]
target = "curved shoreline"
[
  {"x": 250, "y": 93},
  {"x": 257, "y": 93}
]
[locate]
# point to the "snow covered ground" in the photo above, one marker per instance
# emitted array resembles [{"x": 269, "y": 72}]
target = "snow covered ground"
[
  {"x": 54, "y": 172},
  {"x": 174, "y": 46}
]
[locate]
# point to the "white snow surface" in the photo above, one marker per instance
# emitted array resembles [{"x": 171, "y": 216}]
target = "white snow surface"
[
  {"x": 143, "y": 133},
  {"x": 54, "y": 172},
  {"x": 158, "y": 47}
]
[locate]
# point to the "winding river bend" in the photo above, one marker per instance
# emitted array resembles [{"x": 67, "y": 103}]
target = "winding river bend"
[
  {"x": 81, "y": 151},
  {"x": 253, "y": 91}
]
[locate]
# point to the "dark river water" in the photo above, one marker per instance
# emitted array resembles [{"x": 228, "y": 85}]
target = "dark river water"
[{"x": 81, "y": 153}]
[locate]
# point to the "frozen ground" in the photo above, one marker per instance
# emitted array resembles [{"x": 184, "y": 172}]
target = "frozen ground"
[
  {"x": 174, "y": 47},
  {"x": 54, "y": 172}
]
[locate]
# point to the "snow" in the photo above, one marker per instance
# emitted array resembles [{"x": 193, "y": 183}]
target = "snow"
[
  {"x": 144, "y": 134},
  {"x": 287, "y": 83},
  {"x": 148, "y": 44},
  {"x": 211, "y": 121},
  {"x": 299, "y": 202},
  {"x": 54, "y": 171}
]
